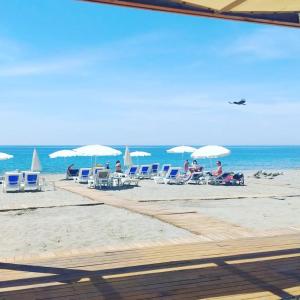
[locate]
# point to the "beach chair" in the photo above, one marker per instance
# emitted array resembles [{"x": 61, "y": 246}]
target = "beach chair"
[
  {"x": 132, "y": 171},
  {"x": 196, "y": 178},
  {"x": 31, "y": 181},
  {"x": 83, "y": 175},
  {"x": 164, "y": 170},
  {"x": 95, "y": 170},
  {"x": 173, "y": 176},
  {"x": 12, "y": 182},
  {"x": 130, "y": 177},
  {"x": 71, "y": 174},
  {"x": 102, "y": 179},
  {"x": 92, "y": 178},
  {"x": 154, "y": 169},
  {"x": 145, "y": 172},
  {"x": 229, "y": 178},
  {"x": 162, "y": 174}
]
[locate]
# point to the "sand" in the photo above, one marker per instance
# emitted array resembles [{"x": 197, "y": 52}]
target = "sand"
[
  {"x": 263, "y": 204},
  {"x": 57, "y": 220}
]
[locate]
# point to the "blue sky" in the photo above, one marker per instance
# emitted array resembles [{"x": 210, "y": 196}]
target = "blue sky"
[{"x": 78, "y": 73}]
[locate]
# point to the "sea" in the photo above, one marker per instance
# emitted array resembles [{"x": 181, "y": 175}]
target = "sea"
[{"x": 242, "y": 158}]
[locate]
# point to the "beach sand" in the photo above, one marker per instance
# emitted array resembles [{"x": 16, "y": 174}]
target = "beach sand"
[{"x": 58, "y": 220}]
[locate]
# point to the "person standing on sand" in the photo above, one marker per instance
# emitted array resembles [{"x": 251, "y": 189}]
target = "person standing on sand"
[
  {"x": 118, "y": 167},
  {"x": 186, "y": 166}
]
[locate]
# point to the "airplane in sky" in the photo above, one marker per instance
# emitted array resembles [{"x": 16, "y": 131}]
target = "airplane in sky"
[{"x": 241, "y": 102}]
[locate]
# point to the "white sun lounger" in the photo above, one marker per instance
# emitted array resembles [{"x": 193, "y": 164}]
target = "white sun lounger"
[
  {"x": 154, "y": 169},
  {"x": 31, "y": 181},
  {"x": 145, "y": 172},
  {"x": 83, "y": 176},
  {"x": 169, "y": 177},
  {"x": 12, "y": 182},
  {"x": 173, "y": 176},
  {"x": 102, "y": 179},
  {"x": 164, "y": 170}
]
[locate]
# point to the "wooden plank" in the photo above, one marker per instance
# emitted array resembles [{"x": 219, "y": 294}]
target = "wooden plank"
[{"x": 246, "y": 268}]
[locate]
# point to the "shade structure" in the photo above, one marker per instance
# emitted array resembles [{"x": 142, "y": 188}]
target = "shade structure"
[
  {"x": 35, "y": 164},
  {"x": 211, "y": 151},
  {"x": 5, "y": 156},
  {"x": 63, "y": 153},
  {"x": 127, "y": 158},
  {"x": 139, "y": 154},
  {"x": 96, "y": 150},
  {"x": 277, "y": 12},
  {"x": 182, "y": 149}
]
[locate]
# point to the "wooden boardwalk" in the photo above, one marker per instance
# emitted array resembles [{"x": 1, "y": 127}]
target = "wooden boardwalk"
[
  {"x": 205, "y": 227},
  {"x": 252, "y": 268}
]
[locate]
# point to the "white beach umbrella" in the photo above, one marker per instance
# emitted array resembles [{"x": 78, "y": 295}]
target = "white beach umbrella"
[
  {"x": 63, "y": 153},
  {"x": 96, "y": 150},
  {"x": 182, "y": 149},
  {"x": 5, "y": 156},
  {"x": 139, "y": 154},
  {"x": 127, "y": 158},
  {"x": 35, "y": 164},
  {"x": 211, "y": 151}
]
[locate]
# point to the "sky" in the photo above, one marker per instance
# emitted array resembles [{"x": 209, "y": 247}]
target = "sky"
[{"x": 75, "y": 73}]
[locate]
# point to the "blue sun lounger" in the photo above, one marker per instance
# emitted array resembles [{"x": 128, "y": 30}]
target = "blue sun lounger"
[
  {"x": 132, "y": 172},
  {"x": 145, "y": 172},
  {"x": 12, "y": 182},
  {"x": 173, "y": 176},
  {"x": 83, "y": 176},
  {"x": 154, "y": 169},
  {"x": 31, "y": 181}
]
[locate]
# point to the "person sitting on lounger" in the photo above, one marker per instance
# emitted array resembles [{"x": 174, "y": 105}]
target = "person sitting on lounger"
[
  {"x": 118, "y": 167},
  {"x": 195, "y": 167},
  {"x": 219, "y": 170},
  {"x": 69, "y": 170}
]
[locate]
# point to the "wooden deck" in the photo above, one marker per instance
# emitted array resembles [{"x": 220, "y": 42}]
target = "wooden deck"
[{"x": 251, "y": 268}]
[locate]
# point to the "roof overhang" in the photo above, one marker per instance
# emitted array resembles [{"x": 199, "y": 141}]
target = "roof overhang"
[{"x": 276, "y": 12}]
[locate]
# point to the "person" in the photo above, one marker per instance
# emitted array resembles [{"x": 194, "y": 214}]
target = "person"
[
  {"x": 186, "y": 166},
  {"x": 196, "y": 167},
  {"x": 69, "y": 170},
  {"x": 219, "y": 170},
  {"x": 107, "y": 166},
  {"x": 118, "y": 167}
]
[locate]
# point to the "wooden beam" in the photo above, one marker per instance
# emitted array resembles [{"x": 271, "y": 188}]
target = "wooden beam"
[
  {"x": 232, "y": 5},
  {"x": 194, "y": 12}
]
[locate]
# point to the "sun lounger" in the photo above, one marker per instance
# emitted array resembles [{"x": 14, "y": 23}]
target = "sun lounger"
[
  {"x": 92, "y": 177},
  {"x": 102, "y": 179},
  {"x": 230, "y": 178},
  {"x": 173, "y": 176},
  {"x": 164, "y": 170},
  {"x": 127, "y": 180},
  {"x": 31, "y": 181},
  {"x": 196, "y": 178},
  {"x": 72, "y": 173},
  {"x": 154, "y": 169},
  {"x": 133, "y": 170},
  {"x": 145, "y": 172},
  {"x": 83, "y": 176},
  {"x": 12, "y": 182}
]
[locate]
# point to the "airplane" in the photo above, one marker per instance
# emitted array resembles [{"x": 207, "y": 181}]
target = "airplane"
[{"x": 241, "y": 102}]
